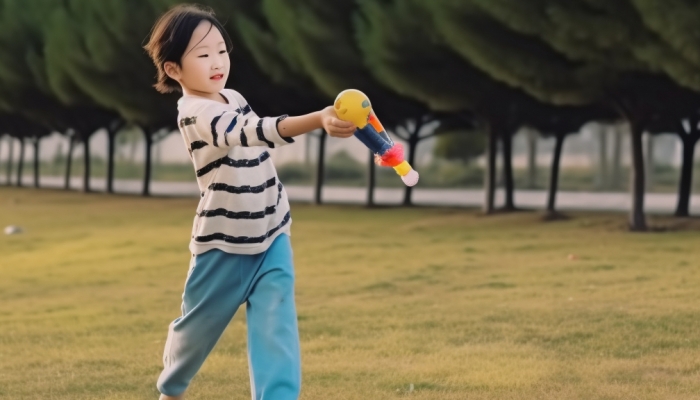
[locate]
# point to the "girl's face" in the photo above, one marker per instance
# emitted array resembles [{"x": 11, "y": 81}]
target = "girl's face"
[{"x": 205, "y": 66}]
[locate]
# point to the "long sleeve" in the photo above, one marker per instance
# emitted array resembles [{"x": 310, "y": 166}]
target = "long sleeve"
[{"x": 224, "y": 126}]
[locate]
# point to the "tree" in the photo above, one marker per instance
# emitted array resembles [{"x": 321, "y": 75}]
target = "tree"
[
  {"x": 69, "y": 158},
  {"x": 61, "y": 38},
  {"x": 399, "y": 34},
  {"x": 514, "y": 59},
  {"x": 459, "y": 144},
  {"x": 613, "y": 41},
  {"x": 23, "y": 129},
  {"x": 690, "y": 134},
  {"x": 561, "y": 122},
  {"x": 323, "y": 49},
  {"x": 109, "y": 66},
  {"x": 5, "y": 130},
  {"x": 1, "y": 135},
  {"x": 674, "y": 22},
  {"x": 20, "y": 162},
  {"x": 686, "y": 124},
  {"x": 25, "y": 77},
  {"x": 21, "y": 89}
]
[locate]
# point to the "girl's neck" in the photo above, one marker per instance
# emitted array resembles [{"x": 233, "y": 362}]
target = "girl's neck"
[{"x": 215, "y": 96}]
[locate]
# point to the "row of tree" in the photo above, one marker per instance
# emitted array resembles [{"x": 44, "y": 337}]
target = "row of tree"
[{"x": 76, "y": 66}]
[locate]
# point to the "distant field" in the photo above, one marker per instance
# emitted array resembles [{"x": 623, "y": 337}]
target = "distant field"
[{"x": 447, "y": 302}]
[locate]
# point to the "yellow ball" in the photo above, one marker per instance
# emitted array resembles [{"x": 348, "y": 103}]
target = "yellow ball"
[{"x": 353, "y": 106}]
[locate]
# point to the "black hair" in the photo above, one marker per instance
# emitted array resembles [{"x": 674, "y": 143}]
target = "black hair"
[{"x": 170, "y": 36}]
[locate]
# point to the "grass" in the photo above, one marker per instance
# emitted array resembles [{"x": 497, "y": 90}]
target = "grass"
[{"x": 447, "y": 302}]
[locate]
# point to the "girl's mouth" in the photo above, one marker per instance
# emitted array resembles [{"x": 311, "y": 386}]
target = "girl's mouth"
[{"x": 217, "y": 77}]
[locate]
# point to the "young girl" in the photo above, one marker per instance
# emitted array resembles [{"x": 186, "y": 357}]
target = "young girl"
[{"x": 241, "y": 251}]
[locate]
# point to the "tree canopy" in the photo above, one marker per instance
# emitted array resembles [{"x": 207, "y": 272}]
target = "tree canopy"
[{"x": 79, "y": 65}]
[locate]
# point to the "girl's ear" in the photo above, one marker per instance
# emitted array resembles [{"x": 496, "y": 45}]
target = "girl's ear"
[{"x": 172, "y": 70}]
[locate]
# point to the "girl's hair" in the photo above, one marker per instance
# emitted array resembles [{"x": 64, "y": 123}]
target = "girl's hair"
[{"x": 170, "y": 36}]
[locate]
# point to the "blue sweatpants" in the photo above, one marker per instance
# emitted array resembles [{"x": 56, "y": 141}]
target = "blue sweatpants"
[{"x": 217, "y": 284}]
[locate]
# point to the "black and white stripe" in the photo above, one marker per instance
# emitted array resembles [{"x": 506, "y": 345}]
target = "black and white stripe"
[
  {"x": 239, "y": 211},
  {"x": 223, "y": 187},
  {"x": 214, "y": 133},
  {"x": 244, "y": 138},
  {"x": 243, "y": 239},
  {"x": 222, "y": 212},
  {"x": 187, "y": 121},
  {"x": 280, "y": 118},
  {"x": 261, "y": 134},
  {"x": 244, "y": 163},
  {"x": 230, "y": 128},
  {"x": 198, "y": 144}
]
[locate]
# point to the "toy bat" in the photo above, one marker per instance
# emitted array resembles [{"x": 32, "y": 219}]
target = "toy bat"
[{"x": 354, "y": 106}]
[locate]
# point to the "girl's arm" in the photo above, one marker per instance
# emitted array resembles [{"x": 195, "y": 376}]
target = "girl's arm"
[{"x": 326, "y": 119}]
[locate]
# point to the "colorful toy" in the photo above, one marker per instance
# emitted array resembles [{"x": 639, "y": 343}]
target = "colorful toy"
[{"x": 354, "y": 106}]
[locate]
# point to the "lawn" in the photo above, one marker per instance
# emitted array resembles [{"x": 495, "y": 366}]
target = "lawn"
[{"x": 422, "y": 303}]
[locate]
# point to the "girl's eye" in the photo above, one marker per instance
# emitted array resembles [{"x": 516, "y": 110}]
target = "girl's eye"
[
  {"x": 204, "y": 55},
  {"x": 222, "y": 52}
]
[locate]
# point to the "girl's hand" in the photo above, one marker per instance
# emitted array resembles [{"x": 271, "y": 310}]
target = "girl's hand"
[{"x": 335, "y": 126}]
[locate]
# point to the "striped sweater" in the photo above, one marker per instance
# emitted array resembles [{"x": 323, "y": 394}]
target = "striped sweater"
[{"x": 243, "y": 205}]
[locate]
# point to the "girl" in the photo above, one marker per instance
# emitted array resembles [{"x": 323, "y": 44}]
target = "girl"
[{"x": 241, "y": 251}]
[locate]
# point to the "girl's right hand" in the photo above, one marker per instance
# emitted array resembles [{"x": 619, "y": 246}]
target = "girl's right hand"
[{"x": 335, "y": 126}]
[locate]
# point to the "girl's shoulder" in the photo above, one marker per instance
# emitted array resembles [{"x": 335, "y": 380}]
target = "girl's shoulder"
[{"x": 238, "y": 99}]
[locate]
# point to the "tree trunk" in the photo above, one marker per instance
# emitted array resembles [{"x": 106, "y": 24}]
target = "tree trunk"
[
  {"x": 637, "y": 219},
  {"x": 616, "y": 174},
  {"x": 371, "y": 180},
  {"x": 408, "y": 190},
  {"x": 86, "y": 162},
  {"x": 649, "y": 160},
  {"x": 10, "y": 159},
  {"x": 36, "y": 162},
  {"x": 413, "y": 140},
  {"x": 507, "y": 138},
  {"x": 554, "y": 176},
  {"x": 20, "y": 165},
  {"x": 490, "y": 172},
  {"x": 69, "y": 160},
  {"x": 1, "y": 137},
  {"x": 602, "y": 181},
  {"x": 531, "y": 158},
  {"x": 147, "y": 163},
  {"x": 111, "y": 137},
  {"x": 320, "y": 168},
  {"x": 686, "y": 182}
]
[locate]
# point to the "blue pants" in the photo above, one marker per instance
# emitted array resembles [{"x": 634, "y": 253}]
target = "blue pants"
[{"x": 217, "y": 284}]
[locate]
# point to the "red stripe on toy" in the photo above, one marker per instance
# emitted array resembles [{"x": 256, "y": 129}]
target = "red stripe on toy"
[{"x": 393, "y": 156}]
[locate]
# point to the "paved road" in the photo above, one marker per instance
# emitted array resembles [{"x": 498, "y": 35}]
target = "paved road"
[{"x": 661, "y": 203}]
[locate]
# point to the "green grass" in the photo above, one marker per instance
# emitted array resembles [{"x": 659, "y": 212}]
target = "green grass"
[{"x": 459, "y": 305}]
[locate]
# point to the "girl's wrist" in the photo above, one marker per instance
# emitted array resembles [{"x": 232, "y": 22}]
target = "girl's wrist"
[{"x": 323, "y": 113}]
